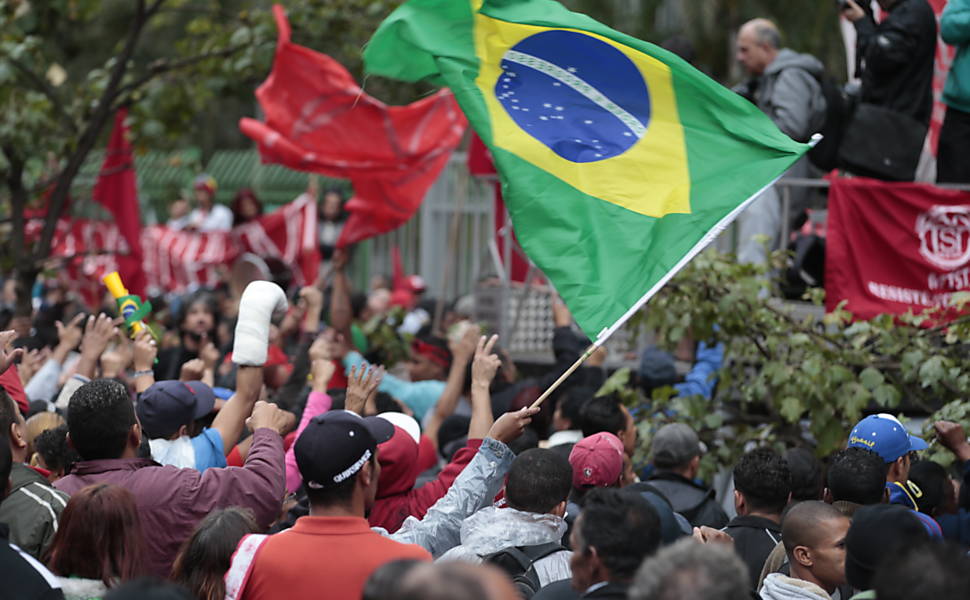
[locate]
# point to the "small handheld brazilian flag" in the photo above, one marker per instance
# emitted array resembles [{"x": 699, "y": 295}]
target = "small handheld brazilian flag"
[{"x": 618, "y": 160}]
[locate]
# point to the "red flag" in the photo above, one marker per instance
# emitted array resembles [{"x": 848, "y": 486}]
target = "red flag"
[
  {"x": 117, "y": 190},
  {"x": 319, "y": 120},
  {"x": 895, "y": 247}
]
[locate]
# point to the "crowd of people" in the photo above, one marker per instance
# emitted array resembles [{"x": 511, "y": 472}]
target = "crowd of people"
[
  {"x": 245, "y": 446},
  {"x": 259, "y": 441}
]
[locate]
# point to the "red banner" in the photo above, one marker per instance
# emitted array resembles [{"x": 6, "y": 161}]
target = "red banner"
[
  {"x": 178, "y": 261},
  {"x": 895, "y": 247},
  {"x": 319, "y": 120}
]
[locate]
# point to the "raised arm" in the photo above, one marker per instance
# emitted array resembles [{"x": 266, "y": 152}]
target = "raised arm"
[
  {"x": 483, "y": 372},
  {"x": 462, "y": 353},
  {"x": 341, "y": 312},
  {"x": 256, "y": 307}
]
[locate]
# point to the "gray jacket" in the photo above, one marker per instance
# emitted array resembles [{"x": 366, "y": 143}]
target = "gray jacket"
[
  {"x": 790, "y": 94},
  {"x": 492, "y": 529},
  {"x": 475, "y": 488}
]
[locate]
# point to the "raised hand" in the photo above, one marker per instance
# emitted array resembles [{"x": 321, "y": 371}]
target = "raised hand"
[
  {"x": 7, "y": 355},
  {"x": 362, "y": 384},
  {"x": 69, "y": 336},
  {"x": 192, "y": 370},
  {"x": 464, "y": 348},
  {"x": 270, "y": 416},
  {"x": 144, "y": 350},
  {"x": 98, "y": 332},
  {"x": 954, "y": 438},
  {"x": 486, "y": 363},
  {"x": 510, "y": 426}
]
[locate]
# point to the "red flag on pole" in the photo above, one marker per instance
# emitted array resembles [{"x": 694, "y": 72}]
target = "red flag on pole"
[
  {"x": 319, "y": 120},
  {"x": 117, "y": 190}
]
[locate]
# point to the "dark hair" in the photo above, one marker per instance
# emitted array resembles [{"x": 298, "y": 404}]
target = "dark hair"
[
  {"x": 764, "y": 479},
  {"x": 338, "y": 398},
  {"x": 622, "y": 526},
  {"x": 237, "y": 205},
  {"x": 339, "y": 494},
  {"x": 806, "y": 474},
  {"x": 99, "y": 536},
  {"x": 148, "y": 588},
  {"x": 385, "y": 582},
  {"x": 857, "y": 475},
  {"x": 6, "y": 463},
  {"x": 527, "y": 441},
  {"x": 99, "y": 416},
  {"x": 571, "y": 403},
  {"x": 453, "y": 430},
  {"x": 53, "y": 448},
  {"x": 9, "y": 412},
  {"x": 538, "y": 480},
  {"x": 604, "y": 413},
  {"x": 440, "y": 343},
  {"x": 800, "y": 526},
  {"x": 386, "y": 403},
  {"x": 204, "y": 297},
  {"x": 927, "y": 569},
  {"x": 931, "y": 478},
  {"x": 206, "y": 556}
]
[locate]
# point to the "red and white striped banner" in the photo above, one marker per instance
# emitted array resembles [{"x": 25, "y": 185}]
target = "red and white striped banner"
[{"x": 180, "y": 261}]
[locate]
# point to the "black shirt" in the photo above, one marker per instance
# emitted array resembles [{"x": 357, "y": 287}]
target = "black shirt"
[{"x": 23, "y": 577}]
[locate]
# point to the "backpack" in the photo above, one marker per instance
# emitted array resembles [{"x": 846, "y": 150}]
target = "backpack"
[
  {"x": 825, "y": 154},
  {"x": 518, "y": 562}
]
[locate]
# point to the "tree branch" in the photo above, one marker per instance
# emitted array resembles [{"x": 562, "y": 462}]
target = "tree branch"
[
  {"x": 162, "y": 66},
  {"x": 93, "y": 130},
  {"x": 48, "y": 90}
]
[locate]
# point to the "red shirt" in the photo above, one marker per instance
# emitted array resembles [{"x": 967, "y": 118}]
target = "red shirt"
[{"x": 323, "y": 557}]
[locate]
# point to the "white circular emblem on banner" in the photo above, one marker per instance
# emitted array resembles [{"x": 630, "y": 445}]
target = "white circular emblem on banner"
[{"x": 944, "y": 235}]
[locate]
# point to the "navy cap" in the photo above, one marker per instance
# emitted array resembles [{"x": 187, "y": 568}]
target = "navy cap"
[
  {"x": 167, "y": 405},
  {"x": 336, "y": 445},
  {"x": 884, "y": 435}
]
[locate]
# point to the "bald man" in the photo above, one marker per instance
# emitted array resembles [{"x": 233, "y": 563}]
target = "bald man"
[
  {"x": 814, "y": 536},
  {"x": 787, "y": 87}
]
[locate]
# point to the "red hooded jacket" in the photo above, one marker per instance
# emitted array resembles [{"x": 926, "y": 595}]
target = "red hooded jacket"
[{"x": 396, "y": 500}]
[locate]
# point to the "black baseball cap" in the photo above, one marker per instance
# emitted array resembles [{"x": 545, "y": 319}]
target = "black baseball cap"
[
  {"x": 167, "y": 405},
  {"x": 336, "y": 445}
]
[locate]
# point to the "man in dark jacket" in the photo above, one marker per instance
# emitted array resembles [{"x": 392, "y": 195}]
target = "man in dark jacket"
[
  {"x": 676, "y": 454},
  {"x": 23, "y": 577},
  {"x": 32, "y": 508},
  {"x": 762, "y": 487},
  {"x": 896, "y": 56},
  {"x": 616, "y": 531}
]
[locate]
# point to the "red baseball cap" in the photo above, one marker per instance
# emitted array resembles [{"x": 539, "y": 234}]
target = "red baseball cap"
[{"x": 597, "y": 460}]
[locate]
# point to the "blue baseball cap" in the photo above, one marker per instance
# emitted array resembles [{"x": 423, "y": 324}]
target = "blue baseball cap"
[{"x": 884, "y": 435}]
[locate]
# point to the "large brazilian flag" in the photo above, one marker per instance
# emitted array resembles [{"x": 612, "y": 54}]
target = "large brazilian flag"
[{"x": 618, "y": 160}]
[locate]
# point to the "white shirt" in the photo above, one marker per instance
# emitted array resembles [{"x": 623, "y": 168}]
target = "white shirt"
[{"x": 219, "y": 218}]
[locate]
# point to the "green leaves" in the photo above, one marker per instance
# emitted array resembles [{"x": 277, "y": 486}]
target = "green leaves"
[{"x": 787, "y": 377}]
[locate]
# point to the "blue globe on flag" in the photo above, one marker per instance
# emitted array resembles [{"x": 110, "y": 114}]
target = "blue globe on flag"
[{"x": 579, "y": 96}]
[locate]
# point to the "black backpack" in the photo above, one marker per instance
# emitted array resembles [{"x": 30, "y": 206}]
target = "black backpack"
[
  {"x": 518, "y": 562},
  {"x": 825, "y": 154}
]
